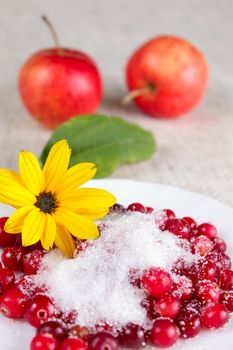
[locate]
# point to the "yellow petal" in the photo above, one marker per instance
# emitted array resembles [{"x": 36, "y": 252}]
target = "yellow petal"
[
  {"x": 6, "y": 174},
  {"x": 79, "y": 226},
  {"x": 75, "y": 177},
  {"x": 49, "y": 234},
  {"x": 92, "y": 214},
  {"x": 31, "y": 172},
  {"x": 15, "y": 222},
  {"x": 33, "y": 227},
  {"x": 64, "y": 241},
  {"x": 56, "y": 164}
]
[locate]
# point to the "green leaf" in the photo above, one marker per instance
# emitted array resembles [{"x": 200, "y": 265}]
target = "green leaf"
[{"x": 106, "y": 141}]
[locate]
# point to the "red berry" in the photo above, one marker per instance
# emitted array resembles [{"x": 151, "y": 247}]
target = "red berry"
[
  {"x": 220, "y": 245},
  {"x": 215, "y": 316},
  {"x": 178, "y": 267},
  {"x": 12, "y": 257},
  {"x": 73, "y": 344},
  {"x": 44, "y": 342},
  {"x": 183, "y": 288},
  {"x": 132, "y": 336},
  {"x": 32, "y": 262},
  {"x": 39, "y": 310},
  {"x": 156, "y": 281},
  {"x": 207, "y": 292},
  {"x": 149, "y": 210},
  {"x": 168, "y": 306},
  {"x": 54, "y": 329},
  {"x": 226, "y": 298},
  {"x": 192, "y": 223},
  {"x": 136, "y": 207},
  {"x": 7, "y": 278},
  {"x": 79, "y": 332},
  {"x": 117, "y": 208},
  {"x": 226, "y": 279},
  {"x": 164, "y": 333},
  {"x": 150, "y": 304},
  {"x": 179, "y": 228},
  {"x": 221, "y": 260},
  {"x": 207, "y": 230},
  {"x": 6, "y": 239},
  {"x": 13, "y": 303},
  {"x": 102, "y": 341},
  {"x": 189, "y": 323},
  {"x": 169, "y": 214},
  {"x": 202, "y": 245},
  {"x": 205, "y": 270}
]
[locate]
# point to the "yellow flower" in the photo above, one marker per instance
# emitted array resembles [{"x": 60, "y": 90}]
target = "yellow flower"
[{"x": 51, "y": 207}]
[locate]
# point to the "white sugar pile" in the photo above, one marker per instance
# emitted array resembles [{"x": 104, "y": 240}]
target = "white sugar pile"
[{"x": 96, "y": 283}]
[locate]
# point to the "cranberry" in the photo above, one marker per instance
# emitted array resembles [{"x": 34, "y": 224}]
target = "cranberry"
[
  {"x": 193, "y": 305},
  {"x": 150, "y": 304},
  {"x": 32, "y": 262},
  {"x": 53, "y": 328},
  {"x": 79, "y": 332},
  {"x": 156, "y": 281},
  {"x": 207, "y": 292},
  {"x": 44, "y": 342},
  {"x": 189, "y": 323},
  {"x": 202, "y": 245},
  {"x": 117, "y": 208},
  {"x": 132, "y": 336},
  {"x": 220, "y": 245},
  {"x": 169, "y": 214},
  {"x": 13, "y": 303},
  {"x": 192, "y": 223},
  {"x": 73, "y": 344},
  {"x": 12, "y": 257},
  {"x": 39, "y": 310},
  {"x": 168, "y": 306},
  {"x": 221, "y": 260},
  {"x": 183, "y": 288},
  {"x": 226, "y": 279},
  {"x": 149, "y": 210},
  {"x": 7, "y": 278},
  {"x": 215, "y": 316},
  {"x": 164, "y": 333},
  {"x": 102, "y": 341},
  {"x": 178, "y": 267},
  {"x": 179, "y": 228},
  {"x": 136, "y": 207},
  {"x": 6, "y": 239},
  {"x": 226, "y": 298},
  {"x": 205, "y": 270},
  {"x": 207, "y": 230}
]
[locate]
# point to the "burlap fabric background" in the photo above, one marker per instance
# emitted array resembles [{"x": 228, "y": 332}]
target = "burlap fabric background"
[{"x": 195, "y": 152}]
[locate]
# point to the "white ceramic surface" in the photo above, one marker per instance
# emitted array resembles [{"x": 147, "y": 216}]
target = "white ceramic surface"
[{"x": 17, "y": 335}]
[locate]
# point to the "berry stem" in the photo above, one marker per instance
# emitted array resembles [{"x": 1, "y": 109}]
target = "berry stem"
[
  {"x": 137, "y": 92},
  {"x": 52, "y": 30}
]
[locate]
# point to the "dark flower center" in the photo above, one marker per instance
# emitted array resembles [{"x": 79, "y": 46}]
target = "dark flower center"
[{"x": 46, "y": 202}]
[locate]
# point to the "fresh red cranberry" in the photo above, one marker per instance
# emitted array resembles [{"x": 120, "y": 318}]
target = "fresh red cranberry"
[
  {"x": 220, "y": 245},
  {"x": 183, "y": 288},
  {"x": 156, "y": 281},
  {"x": 117, "y": 208},
  {"x": 132, "y": 336},
  {"x": 205, "y": 270},
  {"x": 169, "y": 214},
  {"x": 226, "y": 279},
  {"x": 7, "y": 278},
  {"x": 73, "y": 344},
  {"x": 189, "y": 323},
  {"x": 178, "y": 267},
  {"x": 164, "y": 333},
  {"x": 32, "y": 262},
  {"x": 192, "y": 223},
  {"x": 6, "y": 239},
  {"x": 179, "y": 228},
  {"x": 102, "y": 341},
  {"x": 207, "y": 230},
  {"x": 39, "y": 310},
  {"x": 13, "y": 303},
  {"x": 12, "y": 257},
  {"x": 215, "y": 316},
  {"x": 168, "y": 306},
  {"x": 149, "y": 210},
  {"x": 207, "y": 292},
  {"x": 136, "y": 207},
  {"x": 193, "y": 305},
  {"x": 79, "y": 332},
  {"x": 202, "y": 245},
  {"x": 53, "y": 328},
  {"x": 150, "y": 304},
  {"x": 221, "y": 260},
  {"x": 44, "y": 342},
  {"x": 226, "y": 298}
]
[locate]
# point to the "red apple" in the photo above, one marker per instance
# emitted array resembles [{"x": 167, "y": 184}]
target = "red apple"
[
  {"x": 58, "y": 83},
  {"x": 167, "y": 77}
]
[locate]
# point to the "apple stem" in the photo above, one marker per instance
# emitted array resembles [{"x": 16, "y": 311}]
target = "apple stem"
[
  {"x": 136, "y": 93},
  {"x": 52, "y": 30}
]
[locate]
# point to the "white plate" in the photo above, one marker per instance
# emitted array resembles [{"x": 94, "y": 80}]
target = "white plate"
[{"x": 16, "y": 335}]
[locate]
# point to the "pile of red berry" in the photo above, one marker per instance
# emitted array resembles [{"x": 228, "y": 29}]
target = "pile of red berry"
[{"x": 200, "y": 296}]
